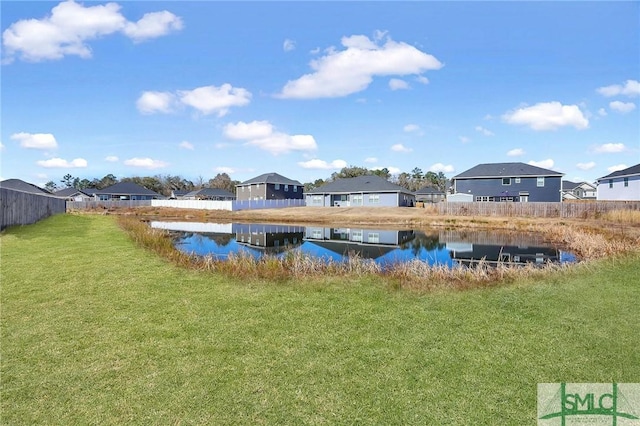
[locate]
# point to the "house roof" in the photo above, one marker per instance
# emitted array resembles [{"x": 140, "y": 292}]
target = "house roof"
[
  {"x": 569, "y": 186},
  {"x": 211, "y": 192},
  {"x": 630, "y": 171},
  {"x": 180, "y": 192},
  {"x": 69, "y": 192},
  {"x": 429, "y": 190},
  {"x": 271, "y": 178},
  {"x": 495, "y": 170},
  {"x": 367, "y": 183},
  {"x": 127, "y": 188},
  {"x": 20, "y": 185}
]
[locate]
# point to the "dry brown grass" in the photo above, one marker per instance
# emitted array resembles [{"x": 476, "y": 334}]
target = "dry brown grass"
[{"x": 589, "y": 239}]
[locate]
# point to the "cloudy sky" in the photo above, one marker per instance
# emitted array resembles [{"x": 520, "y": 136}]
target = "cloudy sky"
[{"x": 306, "y": 88}]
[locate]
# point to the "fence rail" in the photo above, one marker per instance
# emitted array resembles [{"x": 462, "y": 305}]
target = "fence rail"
[
  {"x": 24, "y": 208},
  {"x": 106, "y": 204},
  {"x": 563, "y": 210}
]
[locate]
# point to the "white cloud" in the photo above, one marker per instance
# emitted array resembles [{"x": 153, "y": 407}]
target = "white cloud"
[
  {"x": 35, "y": 140},
  {"x": 545, "y": 164},
  {"x": 622, "y": 107},
  {"x": 186, "y": 145},
  {"x": 152, "y": 102},
  {"x": 152, "y": 25},
  {"x": 212, "y": 99},
  {"x": 617, "y": 167},
  {"x": 61, "y": 163},
  {"x": 341, "y": 73},
  {"x": 586, "y": 166},
  {"x": 464, "y": 139},
  {"x": 392, "y": 170},
  {"x": 70, "y": 25},
  {"x": 371, "y": 160},
  {"x": 411, "y": 128},
  {"x": 610, "y": 148},
  {"x": 439, "y": 167},
  {"x": 548, "y": 116},
  {"x": 227, "y": 170},
  {"x": 1, "y": 146},
  {"x": 111, "y": 159},
  {"x": 145, "y": 163},
  {"x": 397, "y": 84},
  {"x": 484, "y": 131},
  {"x": 422, "y": 79},
  {"x": 516, "y": 152},
  {"x": 630, "y": 88},
  {"x": 263, "y": 135},
  {"x": 400, "y": 148},
  {"x": 318, "y": 164},
  {"x": 288, "y": 45},
  {"x": 602, "y": 112}
]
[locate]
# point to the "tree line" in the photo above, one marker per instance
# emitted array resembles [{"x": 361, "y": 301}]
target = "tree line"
[{"x": 165, "y": 184}]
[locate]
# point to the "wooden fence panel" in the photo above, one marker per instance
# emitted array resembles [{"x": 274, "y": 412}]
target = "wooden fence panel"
[
  {"x": 562, "y": 210},
  {"x": 106, "y": 204},
  {"x": 24, "y": 208}
]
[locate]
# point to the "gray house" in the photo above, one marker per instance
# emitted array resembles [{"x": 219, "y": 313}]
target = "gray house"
[
  {"x": 578, "y": 190},
  {"x": 73, "y": 194},
  {"x": 209, "y": 194},
  {"x": 22, "y": 186},
  {"x": 623, "y": 185},
  {"x": 429, "y": 194},
  {"x": 269, "y": 186},
  {"x": 124, "y": 191},
  {"x": 517, "y": 182},
  {"x": 368, "y": 191}
]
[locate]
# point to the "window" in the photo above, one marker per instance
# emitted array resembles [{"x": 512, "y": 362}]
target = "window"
[
  {"x": 316, "y": 199},
  {"x": 316, "y": 233},
  {"x": 374, "y": 237},
  {"x": 295, "y": 188},
  {"x": 517, "y": 180},
  {"x": 626, "y": 182},
  {"x": 374, "y": 198},
  {"x": 277, "y": 186},
  {"x": 540, "y": 182},
  {"x": 356, "y": 199},
  {"x": 356, "y": 235},
  {"x": 506, "y": 181},
  {"x": 610, "y": 183},
  {"x": 242, "y": 188},
  {"x": 286, "y": 188}
]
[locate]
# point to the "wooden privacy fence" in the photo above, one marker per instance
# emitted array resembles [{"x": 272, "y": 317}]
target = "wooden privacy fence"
[
  {"x": 567, "y": 210},
  {"x": 106, "y": 204},
  {"x": 23, "y": 208}
]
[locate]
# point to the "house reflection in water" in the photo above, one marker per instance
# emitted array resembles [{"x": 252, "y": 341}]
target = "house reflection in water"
[
  {"x": 365, "y": 243},
  {"x": 470, "y": 247},
  {"x": 269, "y": 238}
]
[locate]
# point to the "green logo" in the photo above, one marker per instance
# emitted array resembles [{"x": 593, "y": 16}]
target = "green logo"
[{"x": 565, "y": 404}]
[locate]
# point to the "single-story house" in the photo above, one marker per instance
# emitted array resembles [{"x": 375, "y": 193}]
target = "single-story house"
[
  {"x": 368, "y": 191},
  {"x": 429, "y": 194},
  {"x": 209, "y": 194},
  {"x": 73, "y": 194},
  {"x": 578, "y": 190},
  {"x": 623, "y": 185},
  {"x": 22, "y": 186},
  {"x": 269, "y": 186},
  {"x": 124, "y": 191},
  {"x": 517, "y": 182},
  {"x": 178, "y": 194}
]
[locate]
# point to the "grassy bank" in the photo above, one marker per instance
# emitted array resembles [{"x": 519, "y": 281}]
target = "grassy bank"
[{"x": 98, "y": 330}]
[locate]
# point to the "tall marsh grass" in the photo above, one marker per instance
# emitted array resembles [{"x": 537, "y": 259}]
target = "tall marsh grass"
[{"x": 414, "y": 274}]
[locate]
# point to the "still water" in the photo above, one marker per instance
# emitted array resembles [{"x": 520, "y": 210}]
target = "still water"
[{"x": 439, "y": 247}]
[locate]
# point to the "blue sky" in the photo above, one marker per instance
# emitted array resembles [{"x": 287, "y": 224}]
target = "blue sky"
[{"x": 305, "y": 88}]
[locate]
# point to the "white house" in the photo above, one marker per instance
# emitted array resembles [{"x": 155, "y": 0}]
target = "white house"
[{"x": 623, "y": 185}]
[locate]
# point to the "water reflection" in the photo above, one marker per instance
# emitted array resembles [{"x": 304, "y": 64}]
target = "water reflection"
[{"x": 439, "y": 247}]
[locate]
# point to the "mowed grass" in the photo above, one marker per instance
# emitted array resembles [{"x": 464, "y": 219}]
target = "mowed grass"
[{"x": 96, "y": 330}]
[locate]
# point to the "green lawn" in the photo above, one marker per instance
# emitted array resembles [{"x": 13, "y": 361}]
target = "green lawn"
[{"x": 98, "y": 331}]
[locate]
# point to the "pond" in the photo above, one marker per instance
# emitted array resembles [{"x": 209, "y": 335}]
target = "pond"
[{"x": 384, "y": 246}]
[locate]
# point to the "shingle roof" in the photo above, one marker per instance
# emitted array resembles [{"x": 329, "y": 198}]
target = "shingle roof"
[
  {"x": 368, "y": 183},
  {"x": 68, "y": 192},
  {"x": 633, "y": 170},
  {"x": 271, "y": 178},
  {"x": 20, "y": 185},
  {"x": 210, "y": 192},
  {"x": 128, "y": 188},
  {"x": 506, "y": 170},
  {"x": 429, "y": 190},
  {"x": 568, "y": 185}
]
